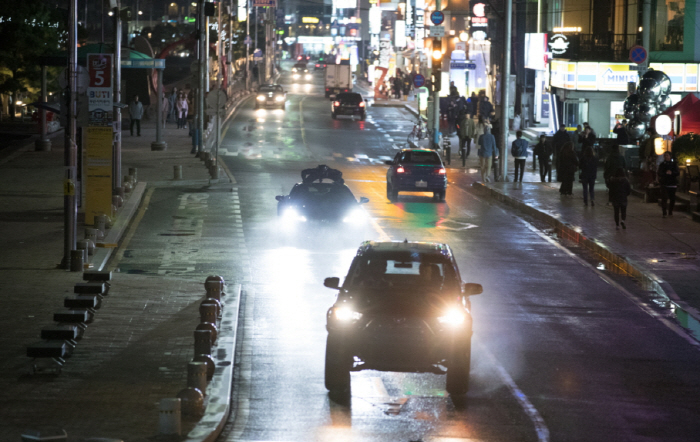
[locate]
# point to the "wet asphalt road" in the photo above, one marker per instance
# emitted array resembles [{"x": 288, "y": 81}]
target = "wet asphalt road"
[{"x": 559, "y": 352}]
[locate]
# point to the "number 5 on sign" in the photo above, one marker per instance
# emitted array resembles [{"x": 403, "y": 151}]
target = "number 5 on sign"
[{"x": 68, "y": 188}]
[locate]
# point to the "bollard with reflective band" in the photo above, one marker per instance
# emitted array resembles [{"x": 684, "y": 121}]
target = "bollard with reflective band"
[
  {"x": 210, "y": 364},
  {"x": 214, "y": 302},
  {"x": 192, "y": 400},
  {"x": 133, "y": 172},
  {"x": 91, "y": 234},
  {"x": 197, "y": 375},
  {"x": 169, "y": 417},
  {"x": 202, "y": 342},
  {"x": 214, "y": 285},
  {"x": 208, "y": 313},
  {"x": 76, "y": 260},
  {"x": 177, "y": 172},
  {"x": 211, "y": 327}
]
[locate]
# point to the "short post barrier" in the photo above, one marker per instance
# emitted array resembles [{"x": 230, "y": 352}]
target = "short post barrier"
[
  {"x": 169, "y": 419},
  {"x": 192, "y": 401},
  {"x": 208, "y": 313},
  {"x": 76, "y": 260},
  {"x": 197, "y": 375},
  {"x": 177, "y": 172},
  {"x": 202, "y": 342},
  {"x": 133, "y": 172}
]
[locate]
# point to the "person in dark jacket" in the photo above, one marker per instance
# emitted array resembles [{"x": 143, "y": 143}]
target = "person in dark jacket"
[
  {"x": 487, "y": 150},
  {"x": 668, "y": 180},
  {"x": 567, "y": 165},
  {"x": 589, "y": 173},
  {"x": 519, "y": 152},
  {"x": 543, "y": 152},
  {"x": 560, "y": 138},
  {"x": 619, "y": 190},
  {"x": 623, "y": 137},
  {"x": 485, "y": 107}
]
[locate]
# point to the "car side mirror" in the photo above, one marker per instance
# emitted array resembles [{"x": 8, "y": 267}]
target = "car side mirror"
[
  {"x": 279, "y": 197},
  {"x": 473, "y": 289},
  {"x": 364, "y": 200},
  {"x": 389, "y": 163},
  {"x": 332, "y": 283}
]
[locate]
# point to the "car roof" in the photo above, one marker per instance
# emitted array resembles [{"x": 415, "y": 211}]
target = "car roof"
[
  {"x": 409, "y": 149},
  {"x": 428, "y": 248}
]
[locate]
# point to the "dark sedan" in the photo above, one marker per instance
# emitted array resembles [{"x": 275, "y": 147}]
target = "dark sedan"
[
  {"x": 416, "y": 170},
  {"x": 270, "y": 96}
]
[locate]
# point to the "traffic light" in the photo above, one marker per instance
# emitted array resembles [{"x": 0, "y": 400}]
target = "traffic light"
[{"x": 436, "y": 75}]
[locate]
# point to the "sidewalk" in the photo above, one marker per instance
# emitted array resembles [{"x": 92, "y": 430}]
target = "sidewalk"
[{"x": 136, "y": 351}]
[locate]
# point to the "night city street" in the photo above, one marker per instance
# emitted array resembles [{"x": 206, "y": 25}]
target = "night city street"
[{"x": 291, "y": 246}]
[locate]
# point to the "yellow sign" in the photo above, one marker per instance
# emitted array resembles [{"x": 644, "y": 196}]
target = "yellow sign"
[
  {"x": 68, "y": 187},
  {"x": 98, "y": 173},
  {"x": 310, "y": 20}
]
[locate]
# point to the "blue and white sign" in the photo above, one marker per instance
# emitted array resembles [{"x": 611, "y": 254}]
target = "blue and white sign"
[
  {"x": 257, "y": 55},
  {"x": 419, "y": 80},
  {"x": 638, "y": 54},
  {"x": 462, "y": 65},
  {"x": 248, "y": 40},
  {"x": 437, "y": 17}
]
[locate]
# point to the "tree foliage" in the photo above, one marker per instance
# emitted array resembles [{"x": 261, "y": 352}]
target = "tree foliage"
[{"x": 28, "y": 30}]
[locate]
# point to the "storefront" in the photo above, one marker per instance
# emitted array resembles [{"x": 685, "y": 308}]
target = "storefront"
[{"x": 595, "y": 92}]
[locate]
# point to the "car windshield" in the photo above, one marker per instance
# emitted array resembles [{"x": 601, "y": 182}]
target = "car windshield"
[
  {"x": 271, "y": 88},
  {"x": 322, "y": 192},
  {"x": 349, "y": 98},
  {"x": 420, "y": 157},
  {"x": 403, "y": 272}
]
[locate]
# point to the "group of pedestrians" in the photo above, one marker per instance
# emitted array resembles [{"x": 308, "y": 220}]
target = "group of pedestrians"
[{"x": 174, "y": 108}]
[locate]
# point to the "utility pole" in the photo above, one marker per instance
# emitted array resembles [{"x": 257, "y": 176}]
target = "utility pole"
[
  {"x": 117, "y": 154},
  {"x": 646, "y": 34},
  {"x": 505, "y": 89},
  {"x": 247, "y": 45},
  {"x": 70, "y": 157},
  {"x": 203, "y": 52},
  {"x": 436, "y": 92}
]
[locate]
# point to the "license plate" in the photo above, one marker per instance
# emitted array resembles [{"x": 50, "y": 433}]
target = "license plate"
[{"x": 421, "y": 183}]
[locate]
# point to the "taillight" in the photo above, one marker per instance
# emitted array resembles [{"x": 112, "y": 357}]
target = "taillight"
[
  {"x": 317, "y": 65},
  {"x": 362, "y": 104},
  {"x": 442, "y": 171},
  {"x": 399, "y": 169},
  {"x": 346, "y": 90},
  {"x": 336, "y": 103}
]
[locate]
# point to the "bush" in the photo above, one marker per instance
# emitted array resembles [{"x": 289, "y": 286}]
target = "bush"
[{"x": 687, "y": 147}]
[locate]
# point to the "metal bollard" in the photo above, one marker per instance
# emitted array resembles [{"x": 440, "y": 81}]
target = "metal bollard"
[
  {"x": 197, "y": 375},
  {"x": 214, "y": 171},
  {"x": 100, "y": 223},
  {"x": 202, "y": 342},
  {"x": 211, "y": 301},
  {"x": 117, "y": 201},
  {"x": 118, "y": 191},
  {"x": 169, "y": 416},
  {"x": 76, "y": 260},
  {"x": 128, "y": 186},
  {"x": 88, "y": 246},
  {"x": 133, "y": 172},
  {"x": 208, "y": 313},
  {"x": 210, "y": 364},
  {"x": 214, "y": 285},
  {"x": 177, "y": 172},
  {"x": 91, "y": 234},
  {"x": 192, "y": 401},
  {"x": 209, "y": 326}
]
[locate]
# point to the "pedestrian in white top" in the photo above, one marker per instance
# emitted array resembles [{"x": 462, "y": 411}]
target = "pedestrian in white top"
[
  {"x": 182, "y": 110},
  {"x": 135, "y": 112}
]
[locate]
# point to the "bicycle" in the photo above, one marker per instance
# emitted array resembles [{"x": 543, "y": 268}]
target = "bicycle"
[{"x": 418, "y": 132}]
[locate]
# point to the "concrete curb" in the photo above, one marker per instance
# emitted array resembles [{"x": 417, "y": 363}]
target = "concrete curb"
[
  {"x": 688, "y": 316},
  {"x": 220, "y": 387}
]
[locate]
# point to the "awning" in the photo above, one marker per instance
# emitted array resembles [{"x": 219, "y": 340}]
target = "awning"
[{"x": 130, "y": 58}]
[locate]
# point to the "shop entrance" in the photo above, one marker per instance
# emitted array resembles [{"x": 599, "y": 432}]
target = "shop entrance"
[{"x": 575, "y": 112}]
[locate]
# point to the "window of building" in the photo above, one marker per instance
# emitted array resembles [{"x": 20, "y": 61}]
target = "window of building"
[{"x": 667, "y": 30}]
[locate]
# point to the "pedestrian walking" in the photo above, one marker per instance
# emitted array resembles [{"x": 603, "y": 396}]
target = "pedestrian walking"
[
  {"x": 623, "y": 137},
  {"x": 543, "y": 152},
  {"x": 172, "y": 103},
  {"x": 519, "y": 151},
  {"x": 182, "y": 110},
  {"x": 668, "y": 180},
  {"x": 164, "y": 108},
  {"x": 588, "y": 175},
  {"x": 567, "y": 165},
  {"x": 485, "y": 107},
  {"x": 559, "y": 139},
  {"x": 613, "y": 162},
  {"x": 472, "y": 103},
  {"x": 135, "y": 113},
  {"x": 487, "y": 150},
  {"x": 619, "y": 190},
  {"x": 466, "y": 130}
]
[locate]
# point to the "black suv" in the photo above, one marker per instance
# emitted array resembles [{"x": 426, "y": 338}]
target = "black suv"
[{"x": 403, "y": 307}]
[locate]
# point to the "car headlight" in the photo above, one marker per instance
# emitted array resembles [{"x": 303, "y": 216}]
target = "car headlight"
[
  {"x": 292, "y": 214},
  {"x": 345, "y": 314},
  {"x": 261, "y": 98},
  {"x": 356, "y": 216},
  {"x": 279, "y": 98},
  {"x": 308, "y": 76},
  {"x": 294, "y": 69},
  {"x": 296, "y": 76},
  {"x": 453, "y": 317}
]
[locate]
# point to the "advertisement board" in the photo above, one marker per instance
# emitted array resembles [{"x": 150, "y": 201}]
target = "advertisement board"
[
  {"x": 536, "y": 51},
  {"x": 615, "y": 76}
]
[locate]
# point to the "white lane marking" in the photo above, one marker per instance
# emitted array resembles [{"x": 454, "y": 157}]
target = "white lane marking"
[
  {"x": 244, "y": 385},
  {"x": 529, "y": 409}
]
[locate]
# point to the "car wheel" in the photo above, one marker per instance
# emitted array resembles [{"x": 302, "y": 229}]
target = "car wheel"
[
  {"x": 337, "y": 374},
  {"x": 334, "y": 116},
  {"x": 441, "y": 195},
  {"x": 457, "y": 382}
]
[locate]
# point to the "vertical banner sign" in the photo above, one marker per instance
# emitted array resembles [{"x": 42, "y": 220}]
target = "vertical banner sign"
[
  {"x": 419, "y": 23},
  {"x": 98, "y": 142}
]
